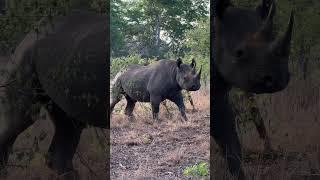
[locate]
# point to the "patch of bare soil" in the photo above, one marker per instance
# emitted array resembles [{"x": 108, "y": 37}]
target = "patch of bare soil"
[{"x": 144, "y": 149}]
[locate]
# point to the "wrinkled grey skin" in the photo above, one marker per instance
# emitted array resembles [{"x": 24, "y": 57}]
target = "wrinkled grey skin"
[
  {"x": 247, "y": 55},
  {"x": 63, "y": 68},
  {"x": 155, "y": 83}
]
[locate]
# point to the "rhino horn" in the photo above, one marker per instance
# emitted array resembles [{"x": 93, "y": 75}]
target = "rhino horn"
[
  {"x": 264, "y": 8},
  {"x": 199, "y": 73},
  {"x": 283, "y": 43},
  {"x": 193, "y": 64},
  {"x": 266, "y": 28},
  {"x": 179, "y": 62}
]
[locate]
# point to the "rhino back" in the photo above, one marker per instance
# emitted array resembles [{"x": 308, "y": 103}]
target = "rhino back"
[
  {"x": 71, "y": 66},
  {"x": 134, "y": 82},
  {"x": 163, "y": 81}
]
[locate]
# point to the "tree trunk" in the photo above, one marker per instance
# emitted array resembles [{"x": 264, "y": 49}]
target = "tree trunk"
[{"x": 158, "y": 40}]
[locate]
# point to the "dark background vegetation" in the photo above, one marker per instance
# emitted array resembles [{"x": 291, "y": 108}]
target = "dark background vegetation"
[{"x": 145, "y": 30}]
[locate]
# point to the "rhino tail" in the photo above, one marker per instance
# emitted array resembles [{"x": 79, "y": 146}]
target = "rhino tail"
[{"x": 115, "y": 85}]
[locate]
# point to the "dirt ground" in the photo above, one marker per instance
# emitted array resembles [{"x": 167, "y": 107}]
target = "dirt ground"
[
  {"x": 293, "y": 122},
  {"x": 143, "y": 149}
]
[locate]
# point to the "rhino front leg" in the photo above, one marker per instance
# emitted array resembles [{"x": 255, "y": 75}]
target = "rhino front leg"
[
  {"x": 222, "y": 128},
  {"x": 64, "y": 143},
  {"x": 259, "y": 124},
  {"x": 178, "y": 100},
  {"x": 191, "y": 101}
]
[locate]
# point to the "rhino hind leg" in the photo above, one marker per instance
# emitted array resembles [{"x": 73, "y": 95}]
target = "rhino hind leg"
[
  {"x": 64, "y": 142},
  {"x": 116, "y": 95},
  {"x": 259, "y": 124},
  {"x": 130, "y": 107}
]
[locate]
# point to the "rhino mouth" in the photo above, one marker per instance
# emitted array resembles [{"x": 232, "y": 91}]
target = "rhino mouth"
[
  {"x": 194, "y": 88},
  {"x": 268, "y": 87}
]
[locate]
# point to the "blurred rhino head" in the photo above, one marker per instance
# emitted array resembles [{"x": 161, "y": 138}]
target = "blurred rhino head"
[{"x": 248, "y": 54}]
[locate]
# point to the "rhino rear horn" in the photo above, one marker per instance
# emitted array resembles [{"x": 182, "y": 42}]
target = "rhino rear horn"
[
  {"x": 193, "y": 63},
  {"x": 179, "y": 62},
  {"x": 220, "y": 6},
  {"x": 266, "y": 29},
  {"x": 264, "y": 8}
]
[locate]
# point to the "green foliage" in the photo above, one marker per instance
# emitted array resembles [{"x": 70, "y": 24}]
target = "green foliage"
[
  {"x": 200, "y": 170},
  {"x": 153, "y": 28},
  {"x": 197, "y": 39},
  {"x": 118, "y": 64},
  {"x": 22, "y": 16}
]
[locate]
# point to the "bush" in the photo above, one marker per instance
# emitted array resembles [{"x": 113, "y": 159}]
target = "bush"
[
  {"x": 200, "y": 170},
  {"x": 120, "y": 63}
]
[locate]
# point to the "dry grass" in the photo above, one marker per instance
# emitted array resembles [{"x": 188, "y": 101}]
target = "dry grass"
[
  {"x": 27, "y": 160},
  {"x": 143, "y": 149},
  {"x": 293, "y": 122}
]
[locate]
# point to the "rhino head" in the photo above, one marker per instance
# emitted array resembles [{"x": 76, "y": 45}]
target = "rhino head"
[
  {"x": 187, "y": 77},
  {"x": 248, "y": 54}
]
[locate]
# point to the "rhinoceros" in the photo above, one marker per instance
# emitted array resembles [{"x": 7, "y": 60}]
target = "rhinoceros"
[
  {"x": 155, "y": 83},
  {"x": 64, "y": 69},
  {"x": 248, "y": 55}
]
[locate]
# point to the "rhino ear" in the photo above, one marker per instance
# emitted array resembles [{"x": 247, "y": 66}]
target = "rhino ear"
[
  {"x": 220, "y": 6},
  {"x": 179, "y": 62},
  {"x": 193, "y": 63},
  {"x": 263, "y": 9}
]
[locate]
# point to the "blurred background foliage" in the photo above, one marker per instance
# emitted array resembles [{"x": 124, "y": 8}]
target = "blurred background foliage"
[
  {"x": 147, "y": 30},
  {"x": 18, "y": 17}
]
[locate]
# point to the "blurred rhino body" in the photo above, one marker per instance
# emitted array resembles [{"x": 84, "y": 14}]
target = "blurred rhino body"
[
  {"x": 249, "y": 56},
  {"x": 62, "y": 68},
  {"x": 155, "y": 83}
]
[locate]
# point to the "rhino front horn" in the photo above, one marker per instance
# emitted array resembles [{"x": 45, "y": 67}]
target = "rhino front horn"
[
  {"x": 199, "y": 73},
  {"x": 283, "y": 44}
]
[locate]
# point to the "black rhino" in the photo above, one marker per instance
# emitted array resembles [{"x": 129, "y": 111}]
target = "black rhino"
[
  {"x": 155, "y": 83},
  {"x": 63, "y": 68},
  {"x": 247, "y": 55}
]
